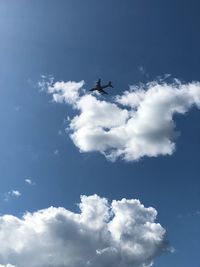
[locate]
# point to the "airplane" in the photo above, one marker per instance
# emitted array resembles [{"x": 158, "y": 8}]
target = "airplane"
[{"x": 98, "y": 87}]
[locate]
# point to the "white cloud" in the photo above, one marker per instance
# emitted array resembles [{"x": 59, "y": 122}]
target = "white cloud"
[
  {"x": 65, "y": 91},
  {"x": 15, "y": 193},
  {"x": 11, "y": 194},
  {"x": 121, "y": 234},
  {"x": 138, "y": 123},
  {"x": 29, "y": 181}
]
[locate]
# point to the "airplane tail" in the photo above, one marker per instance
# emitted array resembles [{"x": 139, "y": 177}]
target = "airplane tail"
[{"x": 110, "y": 84}]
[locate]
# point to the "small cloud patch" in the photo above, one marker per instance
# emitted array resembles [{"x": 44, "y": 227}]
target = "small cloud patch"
[{"x": 11, "y": 195}]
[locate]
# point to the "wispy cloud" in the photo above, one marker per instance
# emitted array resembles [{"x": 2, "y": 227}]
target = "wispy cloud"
[
  {"x": 11, "y": 194},
  {"x": 56, "y": 152},
  {"x": 60, "y": 133},
  {"x": 7, "y": 265},
  {"x": 142, "y": 70},
  {"x": 18, "y": 108},
  {"x": 29, "y": 181},
  {"x": 189, "y": 214},
  {"x": 137, "y": 123},
  {"x": 123, "y": 233}
]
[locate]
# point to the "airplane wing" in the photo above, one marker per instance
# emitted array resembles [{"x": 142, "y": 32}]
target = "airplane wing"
[
  {"x": 109, "y": 85},
  {"x": 104, "y": 92}
]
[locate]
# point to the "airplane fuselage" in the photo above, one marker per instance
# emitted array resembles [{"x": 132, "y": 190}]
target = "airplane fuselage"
[{"x": 100, "y": 87}]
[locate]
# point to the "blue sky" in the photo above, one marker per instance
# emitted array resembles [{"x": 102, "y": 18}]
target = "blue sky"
[{"x": 128, "y": 42}]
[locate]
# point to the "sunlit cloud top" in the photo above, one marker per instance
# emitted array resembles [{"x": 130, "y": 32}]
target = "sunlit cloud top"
[{"x": 137, "y": 123}]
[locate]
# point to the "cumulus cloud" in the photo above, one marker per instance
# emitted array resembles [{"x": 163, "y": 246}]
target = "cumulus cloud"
[
  {"x": 137, "y": 123},
  {"x": 65, "y": 91},
  {"x": 121, "y": 234}
]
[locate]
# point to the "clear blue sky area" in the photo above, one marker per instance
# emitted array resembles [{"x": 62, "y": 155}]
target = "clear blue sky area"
[{"x": 127, "y": 42}]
